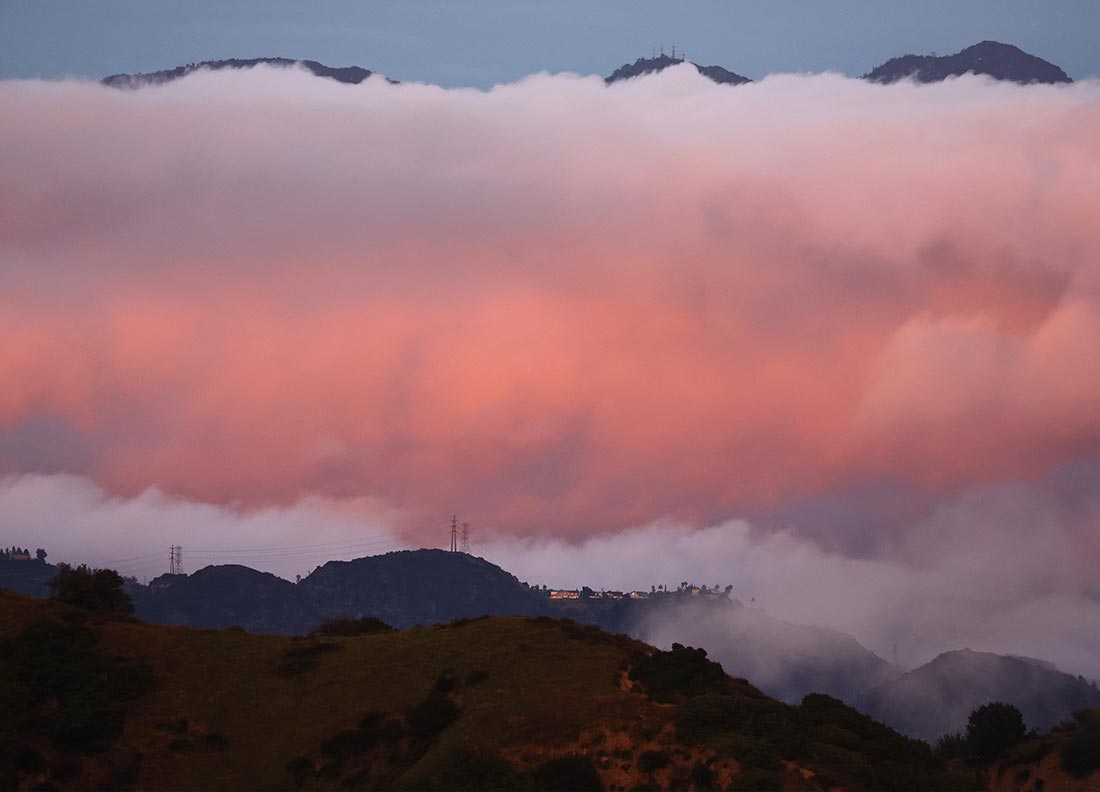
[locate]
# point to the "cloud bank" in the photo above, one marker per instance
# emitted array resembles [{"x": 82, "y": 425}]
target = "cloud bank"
[
  {"x": 556, "y": 305},
  {"x": 842, "y": 313}
]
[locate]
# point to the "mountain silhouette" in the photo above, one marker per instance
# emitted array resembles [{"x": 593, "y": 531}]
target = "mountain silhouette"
[
  {"x": 352, "y": 75},
  {"x": 937, "y": 698},
  {"x": 653, "y": 65},
  {"x": 991, "y": 58}
]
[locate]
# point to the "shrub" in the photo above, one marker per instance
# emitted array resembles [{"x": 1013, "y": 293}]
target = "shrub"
[
  {"x": 684, "y": 671},
  {"x": 1081, "y": 754},
  {"x": 58, "y": 662},
  {"x": 473, "y": 769},
  {"x": 952, "y": 746},
  {"x": 431, "y": 716},
  {"x": 300, "y": 769},
  {"x": 572, "y": 771},
  {"x": 298, "y": 660},
  {"x": 215, "y": 742},
  {"x": 757, "y": 780},
  {"x": 345, "y": 626},
  {"x": 346, "y": 744},
  {"x": 650, "y": 761},
  {"x": 475, "y": 678},
  {"x": 90, "y": 589},
  {"x": 446, "y": 682},
  {"x": 702, "y": 777},
  {"x": 994, "y": 728}
]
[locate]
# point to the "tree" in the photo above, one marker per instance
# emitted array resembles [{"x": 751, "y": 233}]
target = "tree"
[
  {"x": 993, "y": 728},
  {"x": 40, "y": 554},
  {"x": 91, "y": 589}
]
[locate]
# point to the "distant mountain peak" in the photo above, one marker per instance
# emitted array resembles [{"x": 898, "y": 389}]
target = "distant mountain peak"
[
  {"x": 989, "y": 58},
  {"x": 352, "y": 75},
  {"x": 937, "y": 698},
  {"x": 653, "y": 65}
]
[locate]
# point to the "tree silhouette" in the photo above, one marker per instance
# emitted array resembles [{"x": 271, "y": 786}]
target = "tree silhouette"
[
  {"x": 91, "y": 589},
  {"x": 993, "y": 728}
]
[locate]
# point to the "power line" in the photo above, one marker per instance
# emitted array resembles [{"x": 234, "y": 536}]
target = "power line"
[{"x": 175, "y": 562}]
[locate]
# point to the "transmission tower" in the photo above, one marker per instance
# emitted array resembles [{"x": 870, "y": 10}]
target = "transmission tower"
[
  {"x": 466, "y": 538},
  {"x": 454, "y": 533},
  {"x": 175, "y": 560}
]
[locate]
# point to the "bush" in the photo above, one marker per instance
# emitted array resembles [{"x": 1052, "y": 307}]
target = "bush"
[
  {"x": 651, "y": 761},
  {"x": 1081, "y": 753},
  {"x": 347, "y": 744},
  {"x": 447, "y": 683},
  {"x": 61, "y": 663},
  {"x": 90, "y": 589},
  {"x": 345, "y": 626},
  {"x": 994, "y": 728},
  {"x": 300, "y": 769},
  {"x": 431, "y": 716},
  {"x": 298, "y": 660},
  {"x": 473, "y": 769},
  {"x": 572, "y": 771},
  {"x": 952, "y": 746},
  {"x": 475, "y": 678},
  {"x": 756, "y": 780},
  {"x": 215, "y": 742},
  {"x": 684, "y": 671}
]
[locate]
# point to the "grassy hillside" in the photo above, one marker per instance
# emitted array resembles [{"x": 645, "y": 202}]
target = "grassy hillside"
[{"x": 524, "y": 703}]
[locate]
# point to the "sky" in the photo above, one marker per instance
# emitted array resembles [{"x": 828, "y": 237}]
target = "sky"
[
  {"x": 466, "y": 43},
  {"x": 830, "y": 342}
]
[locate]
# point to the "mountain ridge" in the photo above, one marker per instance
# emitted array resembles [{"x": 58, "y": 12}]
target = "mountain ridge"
[
  {"x": 351, "y": 75},
  {"x": 644, "y": 66},
  {"x": 936, "y": 698},
  {"x": 989, "y": 58}
]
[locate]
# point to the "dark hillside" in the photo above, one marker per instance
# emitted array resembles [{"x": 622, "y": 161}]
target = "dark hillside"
[
  {"x": 496, "y": 703},
  {"x": 26, "y": 577},
  {"x": 418, "y": 587},
  {"x": 227, "y": 596}
]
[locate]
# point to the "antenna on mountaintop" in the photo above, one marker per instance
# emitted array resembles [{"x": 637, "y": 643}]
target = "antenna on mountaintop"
[{"x": 175, "y": 560}]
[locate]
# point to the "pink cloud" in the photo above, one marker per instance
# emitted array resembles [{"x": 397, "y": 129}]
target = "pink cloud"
[{"x": 556, "y": 305}]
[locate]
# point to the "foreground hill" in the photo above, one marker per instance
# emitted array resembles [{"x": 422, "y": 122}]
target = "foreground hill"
[
  {"x": 345, "y": 74},
  {"x": 936, "y": 698},
  {"x": 991, "y": 58},
  {"x": 499, "y": 703},
  {"x": 652, "y": 65}
]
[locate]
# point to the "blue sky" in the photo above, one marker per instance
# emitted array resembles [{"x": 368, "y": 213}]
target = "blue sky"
[{"x": 462, "y": 43}]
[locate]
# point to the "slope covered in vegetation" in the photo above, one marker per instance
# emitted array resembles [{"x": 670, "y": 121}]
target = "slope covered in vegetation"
[{"x": 524, "y": 703}]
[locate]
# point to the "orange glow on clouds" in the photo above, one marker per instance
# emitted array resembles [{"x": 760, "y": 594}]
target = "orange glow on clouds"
[{"x": 556, "y": 305}]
